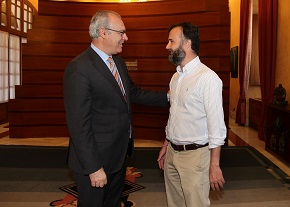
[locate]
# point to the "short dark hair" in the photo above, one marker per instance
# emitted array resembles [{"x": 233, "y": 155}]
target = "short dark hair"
[{"x": 190, "y": 32}]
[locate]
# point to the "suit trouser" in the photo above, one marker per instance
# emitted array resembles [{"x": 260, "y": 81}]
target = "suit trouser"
[
  {"x": 187, "y": 177},
  {"x": 108, "y": 196}
]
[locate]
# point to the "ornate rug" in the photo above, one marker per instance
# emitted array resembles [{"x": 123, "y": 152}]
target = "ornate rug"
[{"x": 70, "y": 199}]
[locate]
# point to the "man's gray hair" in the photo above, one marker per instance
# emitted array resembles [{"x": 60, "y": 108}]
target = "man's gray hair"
[{"x": 100, "y": 19}]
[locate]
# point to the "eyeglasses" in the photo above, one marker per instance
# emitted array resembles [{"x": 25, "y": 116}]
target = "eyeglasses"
[{"x": 122, "y": 32}]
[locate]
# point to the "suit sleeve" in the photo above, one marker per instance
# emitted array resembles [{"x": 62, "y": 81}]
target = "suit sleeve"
[
  {"x": 77, "y": 100},
  {"x": 142, "y": 96}
]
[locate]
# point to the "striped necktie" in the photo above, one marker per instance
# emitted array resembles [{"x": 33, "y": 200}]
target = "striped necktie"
[{"x": 115, "y": 72}]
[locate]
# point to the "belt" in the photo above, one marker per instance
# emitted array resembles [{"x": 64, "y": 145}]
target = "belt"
[{"x": 187, "y": 146}]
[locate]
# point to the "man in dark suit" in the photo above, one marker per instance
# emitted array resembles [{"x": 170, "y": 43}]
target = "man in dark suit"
[{"x": 98, "y": 113}]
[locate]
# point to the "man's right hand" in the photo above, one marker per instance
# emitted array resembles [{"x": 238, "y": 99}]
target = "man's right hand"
[
  {"x": 161, "y": 157},
  {"x": 98, "y": 178}
]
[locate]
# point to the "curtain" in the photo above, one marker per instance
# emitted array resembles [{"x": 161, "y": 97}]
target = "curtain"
[
  {"x": 267, "y": 25},
  {"x": 246, "y": 14}
]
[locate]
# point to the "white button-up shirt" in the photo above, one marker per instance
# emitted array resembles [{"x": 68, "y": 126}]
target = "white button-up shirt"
[{"x": 196, "y": 111}]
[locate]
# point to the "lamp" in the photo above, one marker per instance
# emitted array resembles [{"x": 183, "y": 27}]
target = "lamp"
[{"x": 128, "y": 1}]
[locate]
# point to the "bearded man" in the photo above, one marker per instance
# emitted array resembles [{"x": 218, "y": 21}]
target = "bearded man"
[{"x": 195, "y": 129}]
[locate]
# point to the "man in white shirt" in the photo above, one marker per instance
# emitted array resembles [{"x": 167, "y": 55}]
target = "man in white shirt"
[{"x": 195, "y": 130}]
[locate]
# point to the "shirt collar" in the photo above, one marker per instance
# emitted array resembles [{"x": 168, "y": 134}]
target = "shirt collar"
[
  {"x": 188, "y": 67},
  {"x": 103, "y": 55}
]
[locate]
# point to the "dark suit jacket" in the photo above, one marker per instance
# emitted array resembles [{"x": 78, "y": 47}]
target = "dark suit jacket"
[{"x": 97, "y": 115}]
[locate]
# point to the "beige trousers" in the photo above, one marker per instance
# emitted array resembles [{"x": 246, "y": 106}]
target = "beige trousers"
[{"x": 186, "y": 175}]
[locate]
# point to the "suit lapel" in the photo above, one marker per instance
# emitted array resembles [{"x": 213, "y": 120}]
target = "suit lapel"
[{"x": 105, "y": 71}]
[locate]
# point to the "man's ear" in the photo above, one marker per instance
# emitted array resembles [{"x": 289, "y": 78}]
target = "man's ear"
[
  {"x": 188, "y": 44},
  {"x": 102, "y": 32}
]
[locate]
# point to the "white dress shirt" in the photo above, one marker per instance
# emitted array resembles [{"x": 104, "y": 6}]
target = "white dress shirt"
[{"x": 196, "y": 111}]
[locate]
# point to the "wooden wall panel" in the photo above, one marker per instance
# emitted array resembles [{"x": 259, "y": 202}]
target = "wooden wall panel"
[
  {"x": 36, "y": 105},
  {"x": 43, "y": 91},
  {"x": 36, "y": 131},
  {"x": 58, "y": 118},
  {"x": 56, "y": 77},
  {"x": 140, "y": 78},
  {"x": 139, "y": 22},
  {"x": 170, "y": 7},
  {"x": 144, "y": 64},
  {"x": 42, "y": 77},
  {"x": 135, "y": 37},
  {"x": 164, "y": 21},
  {"x": 38, "y": 118},
  {"x": 59, "y": 34},
  {"x": 3, "y": 113},
  {"x": 35, "y": 62},
  {"x": 207, "y": 49}
]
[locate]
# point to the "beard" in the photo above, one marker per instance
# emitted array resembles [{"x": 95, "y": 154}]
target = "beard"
[{"x": 177, "y": 56}]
